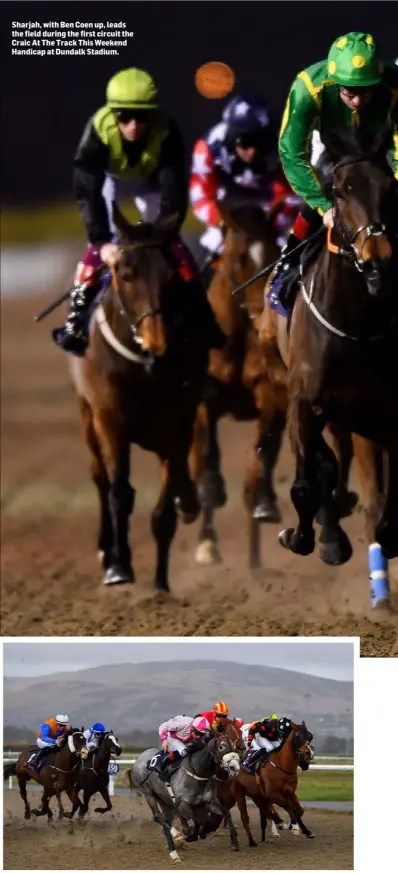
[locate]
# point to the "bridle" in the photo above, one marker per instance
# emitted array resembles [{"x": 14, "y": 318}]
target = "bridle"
[
  {"x": 134, "y": 324},
  {"x": 373, "y": 228}
]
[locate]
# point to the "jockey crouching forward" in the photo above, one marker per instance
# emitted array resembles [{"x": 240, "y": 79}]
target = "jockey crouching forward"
[
  {"x": 50, "y": 736},
  {"x": 351, "y": 97},
  {"x": 264, "y": 736},
  {"x": 180, "y": 737},
  {"x": 217, "y": 716},
  {"x": 94, "y": 736},
  {"x": 129, "y": 148},
  {"x": 236, "y": 164}
]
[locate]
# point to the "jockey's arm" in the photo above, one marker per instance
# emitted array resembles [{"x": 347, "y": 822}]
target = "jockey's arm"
[
  {"x": 298, "y": 122},
  {"x": 89, "y": 165},
  {"x": 172, "y": 177},
  {"x": 45, "y": 735},
  {"x": 252, "y": 733}
]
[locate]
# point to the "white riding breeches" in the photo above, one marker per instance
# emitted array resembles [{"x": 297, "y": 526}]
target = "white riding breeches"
[
  {"x": 263, "y": 743},
  {"x": 176, "y": 745},
  {"x": 41, "y": 744},
  {"x": 145, "y": 195}
]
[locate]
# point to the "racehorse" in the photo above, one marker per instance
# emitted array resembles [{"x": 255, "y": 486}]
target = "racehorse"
[
  {"x": 92, "y": 775},
  {"x": 342, "y": 364},
  {"x": 276, "y": 783},
  {"x": 193, "y": 787},
  {"x": 140, "y": 382},
  {"x": 56, "y": 775},
  {"x": 237, "y": 383}
]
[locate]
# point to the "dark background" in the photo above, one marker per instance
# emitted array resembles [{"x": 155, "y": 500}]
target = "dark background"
[{"x": 47, "y": 101}]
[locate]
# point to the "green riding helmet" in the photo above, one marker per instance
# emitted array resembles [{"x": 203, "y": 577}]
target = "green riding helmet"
[
  {"x": 354, "y": 61},
  {"x": 132, "y": 89}
]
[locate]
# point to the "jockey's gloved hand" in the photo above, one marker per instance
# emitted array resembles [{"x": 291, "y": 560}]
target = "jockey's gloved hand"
[{"x": 328, "y": 217}]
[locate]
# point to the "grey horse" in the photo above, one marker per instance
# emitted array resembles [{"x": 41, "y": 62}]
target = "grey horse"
[{"x": 193, "y": 788}]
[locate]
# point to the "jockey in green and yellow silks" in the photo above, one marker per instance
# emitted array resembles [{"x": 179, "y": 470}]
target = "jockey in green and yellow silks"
[{"x": 349, "y": 98}]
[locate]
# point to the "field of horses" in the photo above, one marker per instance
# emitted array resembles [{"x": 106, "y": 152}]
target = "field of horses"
[
  {"x": 51, "y": 582},
  {"x": 127, "y": 838}
]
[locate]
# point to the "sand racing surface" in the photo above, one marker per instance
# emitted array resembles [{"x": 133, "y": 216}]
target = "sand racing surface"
[
  {"x": 51, "y": 582},
  {"x": 127, "y": 838}
]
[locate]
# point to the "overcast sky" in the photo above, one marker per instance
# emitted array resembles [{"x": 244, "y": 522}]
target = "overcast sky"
[{"x": 328, "y": 660}]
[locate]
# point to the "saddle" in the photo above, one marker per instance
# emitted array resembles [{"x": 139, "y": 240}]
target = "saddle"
[
  {"x": 282, "y": 295},
  {"x": 36, "y": 759},
  {"x": 253, "y": 761},
  {"x": 163, "y": 766}
]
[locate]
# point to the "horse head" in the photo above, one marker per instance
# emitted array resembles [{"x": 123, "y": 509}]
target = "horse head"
[
  {"x": 111, "y": 743},
  {"x": 365, "y": 199},
  {"x": 223, "y": 752},
  {"x": 142, "y": 276},
  {"x": 233, "y": 731},
  {"x": 301, "y": 743},
  {"x": 76, "y": 743},
  {"x": 250, "y": 242}
]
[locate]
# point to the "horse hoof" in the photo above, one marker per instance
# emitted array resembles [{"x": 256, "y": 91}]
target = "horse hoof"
[
  {"x": 310, "y": 836},
  {"x": 188, "y": 511},
  {"x": 207, "y": 553},
  {"x": 175, "y": 857},
  {"x": 297, "y": 543},
  {"x": 27, "y": 816},
  {"x": 267, "y": 512},
  {"x": 235, "y": 848},
  {"x": 337, "y": 552},
  {"x": 162, "y": 586},
  {"x": 383, "y": 605},
  {"x": 118, "y": 575}
]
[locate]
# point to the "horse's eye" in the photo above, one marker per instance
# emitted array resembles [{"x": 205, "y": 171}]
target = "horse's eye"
[{"x": 349, "y": 187}]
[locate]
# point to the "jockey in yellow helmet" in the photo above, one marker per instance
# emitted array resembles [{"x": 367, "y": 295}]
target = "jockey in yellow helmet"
[{"x": 129, "y": 148}]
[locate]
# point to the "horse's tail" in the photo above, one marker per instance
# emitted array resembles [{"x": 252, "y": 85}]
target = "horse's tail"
[
  {"x": 129, "y": 782},
  {"x": 10, "y": 769}
]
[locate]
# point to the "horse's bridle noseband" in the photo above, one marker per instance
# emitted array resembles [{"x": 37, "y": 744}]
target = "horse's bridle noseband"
[
  {"x": 135, "y": 324},
  {"x": 374, "y": 228}
]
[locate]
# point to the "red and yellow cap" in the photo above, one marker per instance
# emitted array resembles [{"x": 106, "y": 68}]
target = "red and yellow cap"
[{"x": 221, "y": 708}]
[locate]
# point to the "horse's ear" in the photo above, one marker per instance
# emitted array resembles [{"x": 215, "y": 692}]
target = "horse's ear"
[{"x": 124, "y": 227}]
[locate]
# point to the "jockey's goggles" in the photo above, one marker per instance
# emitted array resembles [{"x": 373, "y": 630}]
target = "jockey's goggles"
[
  {"x": 357, "y": 91},
  {"x": 220, "y": 715},
  {"x": 141, "y": 116},
  {"x": 256, "y": 139}
]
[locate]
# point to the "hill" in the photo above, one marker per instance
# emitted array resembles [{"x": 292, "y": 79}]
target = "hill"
[{"x": 132, "y": 697}]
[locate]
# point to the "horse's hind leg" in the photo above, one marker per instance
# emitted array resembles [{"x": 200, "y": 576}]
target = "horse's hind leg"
[
  {"x": 100, "y": 479},
  {"x": 22, "y": 790},
  {"x": 336, "y": 548},
  {"x": 368, "y": 459},
  {"x": 345, "y": 499},
  {"x": 271, "y": 428},
  {"x": 111, "y": 433},
  {"x": 207, "y": 551},
  {"x": 164, "y": 525},
  {"x": 105, "y": 794}
]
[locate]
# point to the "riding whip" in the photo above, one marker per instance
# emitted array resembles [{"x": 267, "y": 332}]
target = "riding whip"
[{"x": 282, "y": 260}]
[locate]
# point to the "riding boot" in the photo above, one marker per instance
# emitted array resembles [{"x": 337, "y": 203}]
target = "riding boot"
[
  {"x": 73, "y": 335},
  {"x": 288, "y": 258},
  {"x": 166, "y": 761},
  {"x": 39, "y": 760}
]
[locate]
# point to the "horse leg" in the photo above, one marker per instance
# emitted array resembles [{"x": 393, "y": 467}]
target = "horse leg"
[
  {"x": 164, "y": 525},
  {"x": 44, "y": 807},
  {"x": 166, "y": 823},
  {"x": 297, "y": 811},
  {"x": 240, "y": 798},
  {"x": 214, "y": 480},
  {"x": 105, "y": 794},
  {"x": 369, "y": 466},
  {"x": 336, "y": 548},
  {"x": 100, "y": 479},
  {"x": 111, "y": 432},
  {"x": 271, "y": 428},
  {"x": 305, "y": 429},
  {"x": 22, "y": 780},
  {"x": 74, "y": 799},
  {"x": 345, "y": 499},
  {"x": 207, "y": 551},
  {"x": 387, "y": 528}
]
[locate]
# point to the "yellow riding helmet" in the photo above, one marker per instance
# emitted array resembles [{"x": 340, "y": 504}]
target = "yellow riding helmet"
[
  {"x": 132, "y": 89},
  {"x": 221, "y": 709}
]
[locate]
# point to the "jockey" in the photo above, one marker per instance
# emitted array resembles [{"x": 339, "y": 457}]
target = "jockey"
[
  {"x": 181, "y": 736},
  {"x": 236, "y": 163},
  {"x": 94, "y": 735},
  {"x": 352, "y": 92},
  {"x": 50, "y": 735},
  {"x": 129, "y": 148},
  {"x": 266, "y": 735},
  {"x": 216, "y": 716}
]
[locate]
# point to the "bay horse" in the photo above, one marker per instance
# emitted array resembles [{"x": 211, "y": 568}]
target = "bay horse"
[
  {"x": 92, "y": 775},
  {"x": 237, "y": 383},
  {"x": 277, "y": 783},
  {"x": 342, "y": 364},
  {"x": 56, "y": 774},
  {"x": 140, "y": 382}
]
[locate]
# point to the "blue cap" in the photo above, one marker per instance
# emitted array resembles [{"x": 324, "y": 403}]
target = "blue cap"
[{"x": 99, "y": 728}]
